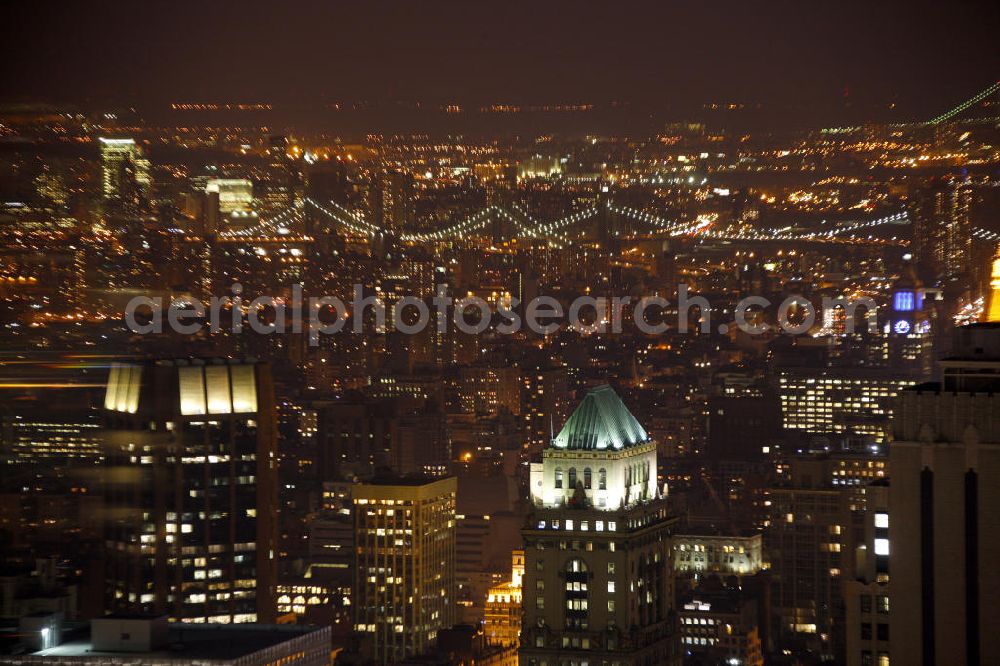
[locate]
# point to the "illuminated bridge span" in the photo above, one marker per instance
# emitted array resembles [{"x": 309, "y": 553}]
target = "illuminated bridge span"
[
  {"x": 559, "y": 232},
  {"x": 972, "y": 101},
  {"x": 951, "y": 113}
]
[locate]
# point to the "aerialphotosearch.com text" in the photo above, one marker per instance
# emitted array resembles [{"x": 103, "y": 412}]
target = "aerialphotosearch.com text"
[{"x": 543, "y": 315}]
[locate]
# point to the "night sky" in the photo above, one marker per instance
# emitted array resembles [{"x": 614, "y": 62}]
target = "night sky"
[{"x": 924, "y": 56}]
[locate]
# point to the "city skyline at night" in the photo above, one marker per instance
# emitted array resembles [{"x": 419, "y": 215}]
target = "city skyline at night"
[{"x": 562, "y": 334}]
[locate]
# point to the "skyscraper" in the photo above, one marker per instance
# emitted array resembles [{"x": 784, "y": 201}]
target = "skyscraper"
[
  {"x": 943, "y": 532},
  {"x": 392, "y": 200},
  {"x": 404, "y": 576},
  {"x": 119, "y": 158},
  {"x": 191, "y": 490},
  {"x": 598, "y": 576},
  {"x": 942, "y": 230}
]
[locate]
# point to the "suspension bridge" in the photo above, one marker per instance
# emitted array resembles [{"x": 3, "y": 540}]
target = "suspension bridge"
[
  {"x": 951, "y": 114},
  {"x": 606, "y": 219},
  {"x": 610, "y": 218}
]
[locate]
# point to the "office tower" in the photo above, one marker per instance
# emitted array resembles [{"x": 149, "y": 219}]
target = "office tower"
[
  {"x": 721, "y": 627},
  {"x": 488, "y": 390},
  {"x": 942, "y": 230},
  {"x": 121, "y": 159},
  {"x": 404, "y": 574},
  {"x": 743, "y": 427},
  {"x": 544, "y": 402},
  {"x": 502, "y": 621},
  {"x": 598, "y": 580},
  {"x": 854, "y": 401},
  {"x": 392, "y": 200},
  {"x": 38, "y": 436},
  {"x": 191, "y": 489},
  {"x": 809, "y": 542},
  {"x": 866, "y": 584},
  {"x": 354, "y": 434},
  {"x": 420, "y": 444},
  {"x": 235, "y": 195},
  {"x": 944, "y": 526}
]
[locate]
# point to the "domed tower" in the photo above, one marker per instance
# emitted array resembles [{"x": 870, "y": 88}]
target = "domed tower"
[{"x": 597, "y": 581}]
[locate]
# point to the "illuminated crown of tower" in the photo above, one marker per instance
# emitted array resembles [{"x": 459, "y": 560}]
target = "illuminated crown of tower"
[{"x": 992, "y": 311}]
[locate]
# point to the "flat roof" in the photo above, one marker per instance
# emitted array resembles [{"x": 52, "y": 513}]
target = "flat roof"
[{"x": 188, "y": 641}]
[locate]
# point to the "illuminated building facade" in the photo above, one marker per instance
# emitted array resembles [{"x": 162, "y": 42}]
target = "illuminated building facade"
[
  {"x": 718, "y": 554},
  {"x": 191, "y": 490},
  {"x": 992, "y": 313},
  {"x": 119, "y": 156},
  {"x": 598, "y": 580},
  {"x": 392, "y": 200},
  {"x": 487, "y": 390},
  {"x": 944, "y": 534},
  {"x": 839, "y": 400},
  {"x": 502, "y": 621},
  {"x": 813, "y": 528},
  {"x": 235, "y": 194},
  {"x": 866, "y": 589},
  {"x": 909, "y": 330},
  {"x": 33, "y": 437},
  {"x": 942, "y": 229},
  {"x": 545, "y": 402},
  {"x": 721, "y": 629},
  {"x": 404, "y": 575}
]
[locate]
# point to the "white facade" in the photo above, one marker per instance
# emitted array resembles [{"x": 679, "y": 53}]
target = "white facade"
[{"x": 610, "y": 479}]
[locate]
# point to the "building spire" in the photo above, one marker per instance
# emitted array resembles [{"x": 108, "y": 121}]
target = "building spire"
[{"x": 992, "y": 311}]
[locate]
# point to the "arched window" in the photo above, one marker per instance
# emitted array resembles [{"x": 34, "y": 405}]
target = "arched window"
[
  {"x": 558, "y": 477},
  {"x": 577, "y": 580},
  {"x": 572, "y": 478},
  {"x": 586, "y": 478},
  {"x": 602, "y": 479},
  {"x": 628, "y": 475}
]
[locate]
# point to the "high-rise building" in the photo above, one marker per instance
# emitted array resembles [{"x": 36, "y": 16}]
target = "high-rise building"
[
  {"x": 944, "y": 528},
  {"x": 502, "y": 621},
  {"x": 119, "y": 159},
  {"x": 809, "y": 543},
  {"x": 392, "y": 200},
  {"x": 721, "y": 628},
  {"x": 404, "y": 574},
  {"x": 544, "y": 402},
  {"x": 942, "y": 230},
  {"x": 489, "y": 390},
  {"x": 235, "y": 194},
  {"x": 855, "y": 401},
  {"x": 598, "y": 578},
  {"x": 866, "y": 584},
  {"x": 191, "y": 490}
]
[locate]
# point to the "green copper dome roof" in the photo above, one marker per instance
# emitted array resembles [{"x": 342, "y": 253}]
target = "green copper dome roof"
[{"x": 602, "y": 421}]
